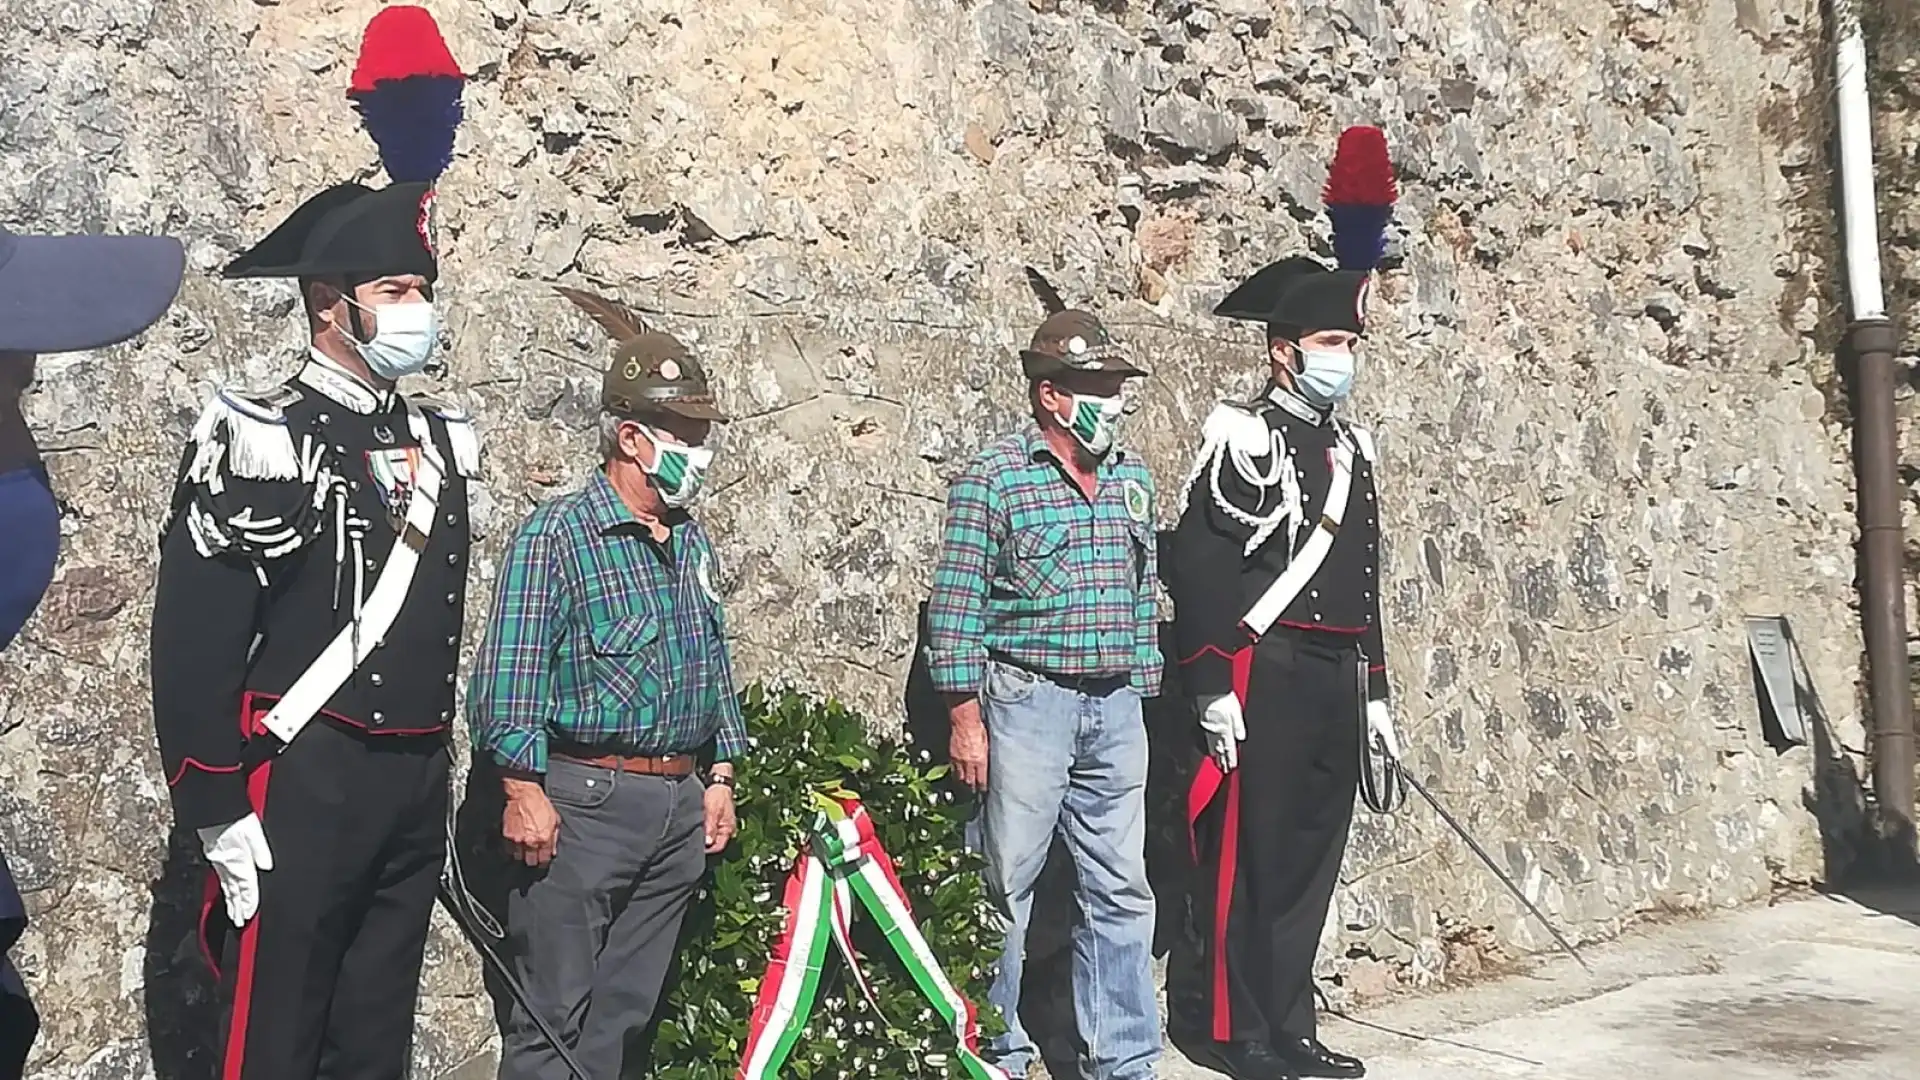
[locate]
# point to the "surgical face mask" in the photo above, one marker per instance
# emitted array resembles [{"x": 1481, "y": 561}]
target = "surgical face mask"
[
  {"x": 677, "y": 470},
  {"x": 1090, "y": 420},
  {"x": 403, "y": 338},
  {"x": 1325, "y": 375}
]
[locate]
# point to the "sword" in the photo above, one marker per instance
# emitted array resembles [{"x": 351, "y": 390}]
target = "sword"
[{"x": 1421, "y": 789}]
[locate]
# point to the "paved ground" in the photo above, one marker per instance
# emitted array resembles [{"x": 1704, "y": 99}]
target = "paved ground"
[{"x": 1810, "y": 988}]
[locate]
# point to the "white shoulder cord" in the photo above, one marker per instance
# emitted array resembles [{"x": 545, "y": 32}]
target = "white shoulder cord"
[{"x": 1279, "y": 473}]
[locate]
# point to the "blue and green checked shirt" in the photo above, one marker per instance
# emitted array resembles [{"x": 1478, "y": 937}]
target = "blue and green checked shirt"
[
  {"x": 1034, "y": 571},
  {"x": 603, "y": 638}
]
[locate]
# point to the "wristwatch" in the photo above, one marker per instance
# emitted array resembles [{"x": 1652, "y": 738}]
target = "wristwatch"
[{"x": 720, "y": 780}]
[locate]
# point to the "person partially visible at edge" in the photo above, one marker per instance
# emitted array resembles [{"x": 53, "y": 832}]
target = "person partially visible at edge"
[
  {"x": 602, "y": 686},
  {"x": 1043, "y": 641},
  {"x": 1287, "y": 712},
  {"x": 58, "y": 294},
  {"x": 306, "y": 628}
]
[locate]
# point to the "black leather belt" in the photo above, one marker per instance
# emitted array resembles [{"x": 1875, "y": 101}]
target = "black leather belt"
[{"x": 1090, "y": 685}]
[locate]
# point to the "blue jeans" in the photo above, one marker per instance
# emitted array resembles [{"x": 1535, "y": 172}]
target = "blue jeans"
[{"x": 1058, "y": 759}]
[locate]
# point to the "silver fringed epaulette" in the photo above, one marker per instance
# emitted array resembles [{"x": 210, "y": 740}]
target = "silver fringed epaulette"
[
  {"x": 248, "y": 488},
  {"x": 244, "y": 433},
  {"x": 462, "y": 437},
  {"x": 1238, "y": 433}
]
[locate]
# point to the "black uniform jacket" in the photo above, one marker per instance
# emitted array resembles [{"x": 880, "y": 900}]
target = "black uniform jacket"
[
  {"x": 1212, "y": 579},
  {"x": 261, "y": 560}
]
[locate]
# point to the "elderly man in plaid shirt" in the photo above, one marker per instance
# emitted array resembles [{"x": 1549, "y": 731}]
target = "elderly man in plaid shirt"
[
  {"x": 1043, "y": 641},
  {"x": 604, "y": 676}
]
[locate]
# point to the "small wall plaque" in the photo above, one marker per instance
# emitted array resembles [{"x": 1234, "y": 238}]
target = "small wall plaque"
[{"x": 1781, "y": 675}]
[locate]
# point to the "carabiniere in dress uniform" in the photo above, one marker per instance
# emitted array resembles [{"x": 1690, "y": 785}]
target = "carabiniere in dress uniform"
[
  {"x": 306, "y": 629},
  {"x": 1274, "y": 573}
]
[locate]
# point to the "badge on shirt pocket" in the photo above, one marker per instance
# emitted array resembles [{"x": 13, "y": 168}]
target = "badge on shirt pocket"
[
  {"x": 1138, "y": 504},
  {"x": 392, "y": 472}
]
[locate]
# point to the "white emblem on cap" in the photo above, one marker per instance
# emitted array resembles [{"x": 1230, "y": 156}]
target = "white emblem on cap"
[
  {"x": 669, "y": 369},
  {"x": 1360, "y": 300},
  {"x": 1076, "y": 345}
]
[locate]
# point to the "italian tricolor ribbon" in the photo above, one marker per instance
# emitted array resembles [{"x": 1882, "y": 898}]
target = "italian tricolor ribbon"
[{"x": 844, "y": 860}]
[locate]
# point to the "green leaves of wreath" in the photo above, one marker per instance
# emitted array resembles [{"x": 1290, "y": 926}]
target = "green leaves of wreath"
[{"x": 802, "y": 747}]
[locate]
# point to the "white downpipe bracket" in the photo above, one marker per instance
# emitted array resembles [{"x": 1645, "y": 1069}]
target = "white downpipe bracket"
[{"x": 1861, "y": 219}]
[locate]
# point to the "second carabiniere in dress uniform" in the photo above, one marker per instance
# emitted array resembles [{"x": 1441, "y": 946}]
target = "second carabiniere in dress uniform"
[{"x": 306, "y": 628}]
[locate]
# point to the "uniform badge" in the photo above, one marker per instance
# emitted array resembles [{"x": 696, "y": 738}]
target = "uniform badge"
[
  {"x": 704, "y": 572},
  {"x": 392, "y": 472},
  {"x": 1136, "y": 499}
]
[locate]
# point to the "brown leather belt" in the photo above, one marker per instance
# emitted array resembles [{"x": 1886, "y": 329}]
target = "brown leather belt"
[{"x": 667, "y": 765}]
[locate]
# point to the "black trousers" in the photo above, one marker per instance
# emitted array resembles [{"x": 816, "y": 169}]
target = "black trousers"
[
  {"x": 1279, "y": 823},
  {"x": 321, "y": 983}
]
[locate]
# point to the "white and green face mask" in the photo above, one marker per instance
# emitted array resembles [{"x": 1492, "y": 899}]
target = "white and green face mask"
[
  {"x": 677, "y": 470},
  {"x": 1091, "y": 420}
]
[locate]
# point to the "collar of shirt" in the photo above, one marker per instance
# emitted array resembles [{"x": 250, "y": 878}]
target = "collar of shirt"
[
  {"x": 608, "y": 512},
  {"x": 341, "y": 386}
]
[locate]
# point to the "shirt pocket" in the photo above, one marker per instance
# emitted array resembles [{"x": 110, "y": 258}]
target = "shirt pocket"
[
  {"x": 1040, "y": 562},
  {"x": 627, "y": 663}
]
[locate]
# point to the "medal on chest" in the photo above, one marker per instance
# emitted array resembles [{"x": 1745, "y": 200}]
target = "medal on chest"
[{"x": 392, "y": 472}]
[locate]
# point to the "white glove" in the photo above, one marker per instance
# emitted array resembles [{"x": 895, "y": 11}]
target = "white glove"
[
  {"x": 1380, "y": 729},
  {"x": 1225, "y": 727},
  {"x": 238, "y": 852}
]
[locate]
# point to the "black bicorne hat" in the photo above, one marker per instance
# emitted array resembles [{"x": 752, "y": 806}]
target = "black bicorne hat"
[
  {"x": 349, "y": 231},
  {"x": 1302, "y": 295}
]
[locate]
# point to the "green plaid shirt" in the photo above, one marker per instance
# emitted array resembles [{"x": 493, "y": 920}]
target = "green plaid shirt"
[
  {"x": 604, "y": 638},
  {"x": 1033, "y": 571}
]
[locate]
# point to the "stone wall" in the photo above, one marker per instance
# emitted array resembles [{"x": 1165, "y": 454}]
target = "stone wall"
[{"x": 1600, "y": 380}]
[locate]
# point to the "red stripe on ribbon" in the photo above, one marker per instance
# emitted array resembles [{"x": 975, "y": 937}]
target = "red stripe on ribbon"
[{"x": 769, "y": 995}]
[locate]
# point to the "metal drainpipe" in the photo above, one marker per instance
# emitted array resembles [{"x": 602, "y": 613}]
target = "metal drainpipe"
[
  {"x": 1871, "y": 341},
  {"x": 1883, "y": 604}
]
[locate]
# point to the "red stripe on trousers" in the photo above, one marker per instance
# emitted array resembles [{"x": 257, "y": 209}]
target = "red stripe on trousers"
[
  {"x": 1206, "y": 786},
  {"x": 236, "y": 1055}
]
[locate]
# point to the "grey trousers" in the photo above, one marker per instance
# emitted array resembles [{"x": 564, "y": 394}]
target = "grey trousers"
[{"x": 591, "y": 936}]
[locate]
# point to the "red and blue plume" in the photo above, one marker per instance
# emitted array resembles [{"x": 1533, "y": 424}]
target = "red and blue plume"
[
  {"x": 407, "y": 88},
  {"x": 1359, "y": 197}
]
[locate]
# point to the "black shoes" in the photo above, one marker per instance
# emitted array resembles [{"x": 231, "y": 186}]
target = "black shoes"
[
  {"x": 1307, "y": 1057},
  {"x": 1239, "y": 1060}
]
